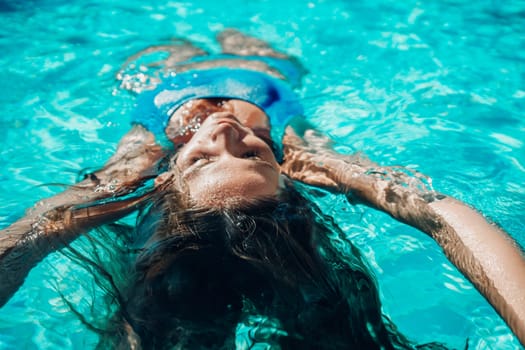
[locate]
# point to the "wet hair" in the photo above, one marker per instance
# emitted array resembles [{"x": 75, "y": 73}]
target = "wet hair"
[
  {"x": 196, "y": 277},
  {"x": 203, "y": 271}
]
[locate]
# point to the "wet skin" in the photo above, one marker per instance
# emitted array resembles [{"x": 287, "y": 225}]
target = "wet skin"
[{"x": 224, "y": 162}]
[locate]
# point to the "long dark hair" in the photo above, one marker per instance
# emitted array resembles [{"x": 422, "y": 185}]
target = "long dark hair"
[{"x": 201, "y": 274}]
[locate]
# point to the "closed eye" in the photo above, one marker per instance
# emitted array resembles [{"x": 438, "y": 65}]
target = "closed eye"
[
  {"x": 196, "y": 162},
  {"x": 251, "y": 155},
  {"x": 200, "y": 158},
  {"x": 264, "y": 134}
]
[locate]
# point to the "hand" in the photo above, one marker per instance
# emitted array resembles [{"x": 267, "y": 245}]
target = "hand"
[
  {"x": 311, "y": 160},
  {"x": 134, "y": 161}
]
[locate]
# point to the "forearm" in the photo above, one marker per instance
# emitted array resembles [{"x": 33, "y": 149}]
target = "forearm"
[
  {"x": 24, "y": 244},
  {"x": 28, "y": 241},
  {"x": 486, "y": 255},
  {"x": 54, "y": 222},
  {"x": 45, "y": 228},
  {"x": 482, "y": 252},
  {"x": 133, "y": 163}
]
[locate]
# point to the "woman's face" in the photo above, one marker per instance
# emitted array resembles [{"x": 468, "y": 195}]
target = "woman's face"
[{"x": 225, "y": 163}]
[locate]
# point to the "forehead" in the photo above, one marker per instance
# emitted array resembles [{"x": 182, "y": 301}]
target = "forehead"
[{"x": 232, "y": 182}]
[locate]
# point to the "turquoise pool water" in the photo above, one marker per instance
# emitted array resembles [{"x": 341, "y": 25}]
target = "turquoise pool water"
[{"x": 438, "y": 86}]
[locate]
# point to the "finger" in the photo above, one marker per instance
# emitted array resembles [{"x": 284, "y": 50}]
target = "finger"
[
  {"x": 291, "y": 138},
  {"x": 317, "y": 139}
]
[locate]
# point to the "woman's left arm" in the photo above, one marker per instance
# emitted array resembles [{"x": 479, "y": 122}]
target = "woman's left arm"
[{"x": 483, "y": 252}]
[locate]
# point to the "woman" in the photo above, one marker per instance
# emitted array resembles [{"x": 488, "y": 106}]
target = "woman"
[{"x": 226, "y": 240}]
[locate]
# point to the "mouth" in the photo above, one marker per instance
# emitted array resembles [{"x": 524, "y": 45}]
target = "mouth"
[
  {"x": 226, "y": 118},
  {"x": 230, "y": 121}
]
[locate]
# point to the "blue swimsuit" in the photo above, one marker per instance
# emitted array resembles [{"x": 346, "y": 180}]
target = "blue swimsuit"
[{"x": 273, "y": 95}]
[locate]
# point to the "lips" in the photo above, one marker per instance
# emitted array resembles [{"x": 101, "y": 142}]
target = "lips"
[
  {"x": 225, "y": 117},
  {"x": 228, "y": 121}
]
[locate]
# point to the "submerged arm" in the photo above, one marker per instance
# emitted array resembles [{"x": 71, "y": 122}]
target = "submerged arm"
[
  {"x": 55, "y": 222},
  {"x": 484, "y": 253}
]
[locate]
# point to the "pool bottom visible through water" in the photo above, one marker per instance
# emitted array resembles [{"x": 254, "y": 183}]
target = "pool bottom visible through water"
[{"x": 437, "y": 87}]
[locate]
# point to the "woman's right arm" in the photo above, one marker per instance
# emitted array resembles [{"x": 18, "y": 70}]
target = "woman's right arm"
[
  {"x": 55, "y": 222},
  {"x": 484, "y": 253}
]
